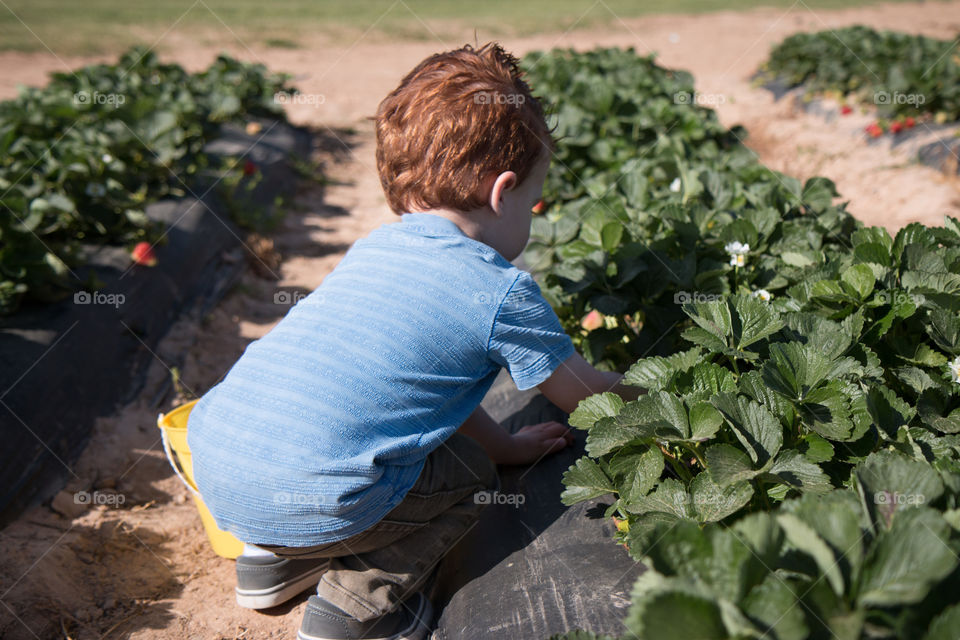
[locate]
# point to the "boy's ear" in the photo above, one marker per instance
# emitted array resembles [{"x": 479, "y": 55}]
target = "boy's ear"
[{"x": 501, "y": 184}]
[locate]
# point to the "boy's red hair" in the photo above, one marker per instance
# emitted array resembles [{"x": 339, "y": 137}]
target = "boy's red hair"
[{"x": 458, "y": 118}]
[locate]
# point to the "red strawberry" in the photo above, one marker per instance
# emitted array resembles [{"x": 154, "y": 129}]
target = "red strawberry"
[
  {"x": 896, "y": 127},
  {"x": 846, "y": 110},
  {"x": 249, "y": 168},
  {"x": 909, "y": 122},
  {"x": 539, "y": 208},
  {"x": 143, "y": 254},
  {"x": 874, "y": 130}
]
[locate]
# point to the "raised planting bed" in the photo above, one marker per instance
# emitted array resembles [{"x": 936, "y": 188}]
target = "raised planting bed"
[
  {"x": 76, "y": 341},
  {"x": 532, "y": 567},
  {"x": 906, "y": 85}
]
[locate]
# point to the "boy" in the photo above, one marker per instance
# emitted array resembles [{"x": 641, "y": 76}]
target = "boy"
[{"x": 345, "y": 447}]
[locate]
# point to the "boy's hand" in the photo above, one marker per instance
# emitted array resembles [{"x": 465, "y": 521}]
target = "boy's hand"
[
  {"x": 532, "y": 442},
  {"x": 528, "y": 444}
]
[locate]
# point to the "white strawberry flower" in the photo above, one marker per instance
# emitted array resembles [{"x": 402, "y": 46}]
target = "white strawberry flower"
[
  {"x": 955, "y": 369},
  {"x": 763, "y": 294},
  {"x": 738, "y": 253},
  {"x": 675, "y": 185},
  {"x": 107, "y": 158},
  {"x": 737, "y": 248}
]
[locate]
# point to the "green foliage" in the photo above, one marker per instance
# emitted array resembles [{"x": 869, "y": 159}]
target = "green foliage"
[
  {"x": 815, "y": 569},
  {"x": 637, "y": 154},
  {"x": 81, "y": 157},
  {"x": 902, "y": 74},
  {"x": 791, "y": 443}
]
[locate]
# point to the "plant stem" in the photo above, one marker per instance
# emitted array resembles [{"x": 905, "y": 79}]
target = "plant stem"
[
  {"x": 736, "y": 369},
  {"x": 680, "y": 470},
  {"x": 695, "y": 450}
]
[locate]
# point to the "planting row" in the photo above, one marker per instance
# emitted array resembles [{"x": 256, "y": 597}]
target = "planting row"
[
  {"x": 81, "y": 158},
  {"x": 905, "y": 78},
  {"x": 793, "y": 469}
]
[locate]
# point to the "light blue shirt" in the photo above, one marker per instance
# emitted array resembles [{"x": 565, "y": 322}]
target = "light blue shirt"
[{"x": 323, "y": 424}]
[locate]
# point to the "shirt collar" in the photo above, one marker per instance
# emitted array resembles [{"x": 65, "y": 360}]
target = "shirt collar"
[{"x": 430, "y": 224}]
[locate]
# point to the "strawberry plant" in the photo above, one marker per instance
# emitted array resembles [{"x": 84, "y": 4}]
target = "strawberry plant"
[
  {"x": 645, "y": 221},
  {"x": 820, "y": 567},
  {"x": 82, "y": 157},
  {"x": 898, "y": 73},
  {"x": 800, "y": 422}
]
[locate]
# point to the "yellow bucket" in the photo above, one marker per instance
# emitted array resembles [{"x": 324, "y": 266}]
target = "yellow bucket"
[{"x": 173, "y": 431}]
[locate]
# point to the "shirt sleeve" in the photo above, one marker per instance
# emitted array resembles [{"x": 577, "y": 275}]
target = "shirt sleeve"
[{"x": 527, "y": 337}]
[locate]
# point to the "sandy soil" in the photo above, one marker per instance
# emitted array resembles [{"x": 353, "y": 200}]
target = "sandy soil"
[{"x": 143, "y": 569}]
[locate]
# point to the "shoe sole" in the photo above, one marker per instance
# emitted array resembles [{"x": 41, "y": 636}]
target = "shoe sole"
[
  {"x": 418, "y": 630},
  {"x": 271, "y": 597}
]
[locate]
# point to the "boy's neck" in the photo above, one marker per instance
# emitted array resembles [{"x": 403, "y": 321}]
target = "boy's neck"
[
  {"x": 474, "y": 224},
  {"x": 468, "y": 225}
]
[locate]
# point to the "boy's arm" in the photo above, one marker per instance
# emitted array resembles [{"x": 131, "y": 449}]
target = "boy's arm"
[
  {"x": 577, "y": 379},
  {"x": 529, "y": 444}
]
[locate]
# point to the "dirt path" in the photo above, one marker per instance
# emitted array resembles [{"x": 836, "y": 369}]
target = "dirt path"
[{"x": 143, "y": 570}]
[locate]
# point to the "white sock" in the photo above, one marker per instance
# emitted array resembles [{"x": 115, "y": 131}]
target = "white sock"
[{"x": 250, "y": 550}]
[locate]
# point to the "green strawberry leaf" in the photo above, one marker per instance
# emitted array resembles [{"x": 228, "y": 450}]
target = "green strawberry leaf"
[
  {"x": 939, "y": 412},
  {"x": 706, "y": 339},
  {"x": 728, "y": 465},
  {"x": 752, "y": 321},
  {"x": 945, "y": 625},
  {"x": 585, "y": 480},
  {"x": 637, "y": 473},
  {"x": 756, "y": 428},
  {"x": 794, "y": 369},
  {"x": 907, "y": 560},
  {"x": 608, "y": 435},
  {"x": 816, "y": 448},
  {"x": 656, "y": 373},
  {"x": 890, "y": 483},
  {"x": 705, "y": 421},
  {"x": 659, "y": 413},
  {"x": 943, "y": 327},
  {"x": 805, "y": 539},
  {"x": 593, "y": 408},
  {"x": 793, "y": 469},
  {"x": 775, "y": 605},
  {"x": 712, "y": 503},
  {"x": 826, "y": 411},
  {"x": 888, "y": 411},
  {"x": 669, "y": 497},
  {"x": 667, "y": 615}
]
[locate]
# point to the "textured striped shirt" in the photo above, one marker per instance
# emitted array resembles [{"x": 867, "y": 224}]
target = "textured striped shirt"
[{"x": 323, "y": 424}]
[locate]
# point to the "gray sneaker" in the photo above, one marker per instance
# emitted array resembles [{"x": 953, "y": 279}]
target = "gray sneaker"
[
  {"x": 323, "y": 621},
  {"x": 265, "y": 581}
]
